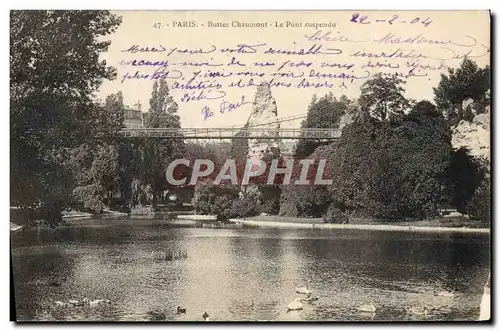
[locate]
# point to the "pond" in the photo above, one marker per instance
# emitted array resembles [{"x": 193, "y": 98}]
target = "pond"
[{"x": 244, "y": 274}]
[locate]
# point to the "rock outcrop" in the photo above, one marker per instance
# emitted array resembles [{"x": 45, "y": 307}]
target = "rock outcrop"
[
  {"x": 264, "y": 110},
  {"x": 475, "y": 135}
]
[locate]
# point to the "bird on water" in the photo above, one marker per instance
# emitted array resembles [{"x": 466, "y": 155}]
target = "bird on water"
[{"x": 295, "y": 304}]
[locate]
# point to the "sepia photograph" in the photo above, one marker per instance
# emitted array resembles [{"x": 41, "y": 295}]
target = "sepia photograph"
[{"x": 250, "y": 166}]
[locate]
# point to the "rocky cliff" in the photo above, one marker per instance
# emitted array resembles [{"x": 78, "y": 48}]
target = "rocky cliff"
[
  {"x": 475, "y": 135},
  {"x": 264, "y": 110}
]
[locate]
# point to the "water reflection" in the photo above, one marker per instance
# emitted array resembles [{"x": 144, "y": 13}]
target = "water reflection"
[{"x": 245, "y": 274}]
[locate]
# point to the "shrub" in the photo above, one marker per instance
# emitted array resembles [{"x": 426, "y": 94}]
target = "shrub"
[
  {"x": 269, "y": 199},
  {"x": 215, "y": 199},
  {"x": 142, "y": 210},
  {"x": 479, "y": 206},
  {"x": 244, "y": 207},
  {"x": 313, "y": 202},
  {"x": 88, "y": 198},
  {"x": 335, "y": 215}
]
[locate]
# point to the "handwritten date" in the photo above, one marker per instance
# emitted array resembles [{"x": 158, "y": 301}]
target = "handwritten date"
[{"x": 394, "y": 19}]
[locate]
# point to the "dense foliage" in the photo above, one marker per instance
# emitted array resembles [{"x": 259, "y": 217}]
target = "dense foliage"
[
  {"x": 383, "y": 97},
  {"x": 467, "y": 81},
  {"x": 54, "y": 71},
  {"x": 223, "y": 200},
  {"x": 396, "y": 161},
  {"x": 323, "y": 113}
]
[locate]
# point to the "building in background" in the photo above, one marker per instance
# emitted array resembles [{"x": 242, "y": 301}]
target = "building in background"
[{"x": 133, "y": 117}]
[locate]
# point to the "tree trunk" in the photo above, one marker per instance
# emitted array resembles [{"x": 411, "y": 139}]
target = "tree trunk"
[{"x": 153, "y": 203}]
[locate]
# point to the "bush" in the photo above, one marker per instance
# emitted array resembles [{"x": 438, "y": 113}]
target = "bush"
[
  {"x": 309, "y": 200},
  {"x": 269, "y": 199},
  {"x": 216, "y": 200},
  {"x": 313, "y": 202},
  {"x": 335, "y": 215},
  {"x": 142, "y": 210},
  {"x": 88, "y": 198},
  {"x": 288, "y": 200},
  {"x": 479, "y": 206},
  {"x": 244, "y": 207}
]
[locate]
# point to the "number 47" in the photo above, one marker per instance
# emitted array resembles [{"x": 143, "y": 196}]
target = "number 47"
[{"x": 157, "y": 26}]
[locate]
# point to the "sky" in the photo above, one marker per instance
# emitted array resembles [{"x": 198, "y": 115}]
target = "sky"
[{"x": 302, "y": 53}]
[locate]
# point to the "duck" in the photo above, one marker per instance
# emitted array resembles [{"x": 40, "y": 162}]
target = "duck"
[
  {"x": 295, "y": 304},
  {"x": 444, "y": 294},
  {"x": 368, "y": 308},
  {"x": 181, "y": 310},
  {"x": 205, "y": 316},
  {"x": 303, "y": 290}
]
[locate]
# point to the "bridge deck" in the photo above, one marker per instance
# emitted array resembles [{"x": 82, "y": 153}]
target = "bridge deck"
[{"x": 230, "y": 133}]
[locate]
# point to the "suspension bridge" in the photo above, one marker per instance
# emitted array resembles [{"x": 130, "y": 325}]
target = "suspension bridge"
[{"x": 257, "y": 131}]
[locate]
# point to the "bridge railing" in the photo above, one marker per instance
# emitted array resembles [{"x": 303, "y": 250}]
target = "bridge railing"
[{"x": 231, "y": 133}]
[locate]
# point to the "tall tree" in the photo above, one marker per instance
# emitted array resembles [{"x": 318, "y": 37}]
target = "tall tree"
[
  {"x": 112, "y": 115},
  {"x": 411, "y": 160},
  {"x": 391, "y": 169},
  {"x": 54, "y": 71},
  {"x": 467, "y": 81},
  {"x": 383, "y": 97},
  {"x": 158, "y": 154},
  {"x": 162, "y": 108},
  {"x": 323, "y": 113}
]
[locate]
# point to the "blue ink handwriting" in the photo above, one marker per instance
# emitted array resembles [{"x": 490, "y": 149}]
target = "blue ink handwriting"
[
  {"x": 313, "y": 50},
  {"x": 360, "y": 19},
  {"x": 226, "y": 106},
  {"x": 242, "y": 48},
  {"x": 399, "y": 53},
  {"x": 157, "y": 74},
  {"x": 206, "y": 112},
  {"x": 392, "y": 38},
  {"x": 330, "y": 36},
  {"x": 202, "y": 95}
]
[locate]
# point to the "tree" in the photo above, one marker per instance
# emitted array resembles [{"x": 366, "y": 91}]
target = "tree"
[
  {"x": 410, "y": 166},
  {"x": 112, "y": 115},
  {"x": 158, "y": 153},
  {"x": 468, "y": 81},
  {"x": 479, "y": 206},
  {"x": 215, "y": 199},
  {"x": 383, "y": 97},
  {"x": 424, "y": 108},
  {"x": 162, "y": 108},
  {"x": 463, "y": 178},
  {"x": 54, "y": 71},
  {"x": 105, "y": 170},
  {"x": 392, "y": 170},
  {"x": 352, "y": 163},
  {"x": 323, "y": 113},
  {"x": 309, "y": 200}
]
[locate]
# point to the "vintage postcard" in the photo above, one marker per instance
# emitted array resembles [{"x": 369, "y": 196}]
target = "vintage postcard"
[{"x": 263, "y": 166}]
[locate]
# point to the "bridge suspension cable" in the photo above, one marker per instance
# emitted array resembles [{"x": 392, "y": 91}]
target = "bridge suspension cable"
[{"x": 279, "y": 120}]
